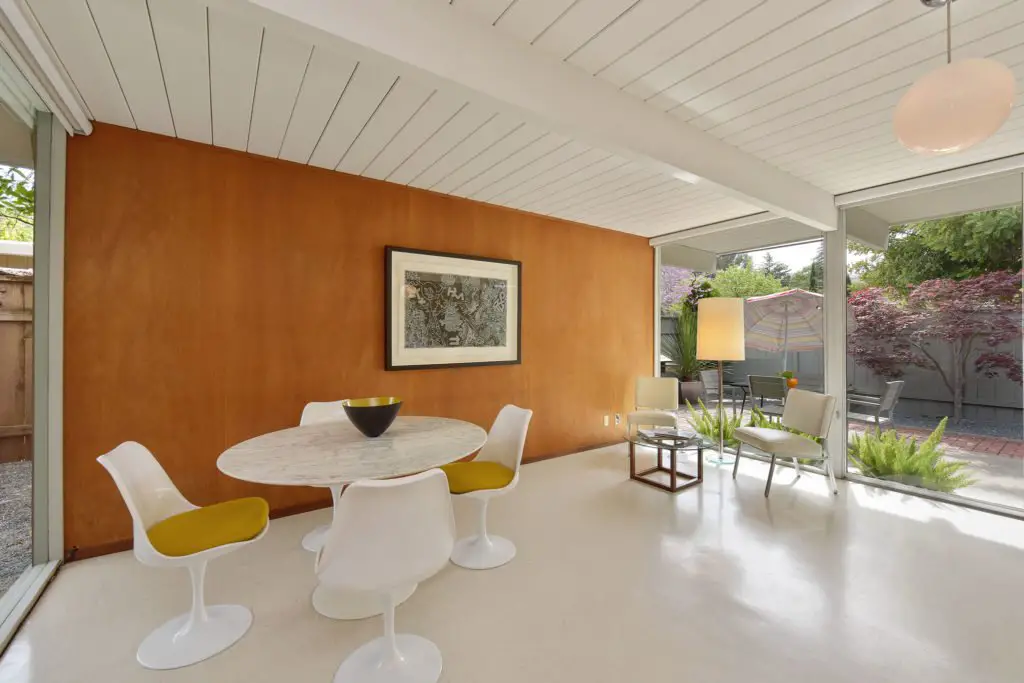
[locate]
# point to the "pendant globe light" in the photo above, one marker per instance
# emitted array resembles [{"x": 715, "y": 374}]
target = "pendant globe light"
[{"x": 955, "y": 106}]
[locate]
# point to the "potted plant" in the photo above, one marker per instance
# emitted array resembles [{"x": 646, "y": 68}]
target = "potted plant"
[
  {"x": 791, "y": 380},
  {"x": 681, "y": 344}
]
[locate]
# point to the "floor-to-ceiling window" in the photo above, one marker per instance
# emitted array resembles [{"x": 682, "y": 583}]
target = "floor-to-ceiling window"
[
  {"x": 32, "y": 161},
  {"x": 783, "y": 287},
  {"x": 17, "y": 231},
  {"x": 934, "y": 347}
]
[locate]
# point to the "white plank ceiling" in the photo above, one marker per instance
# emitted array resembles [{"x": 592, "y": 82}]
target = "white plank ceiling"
[{"x": 807, "y": 85}]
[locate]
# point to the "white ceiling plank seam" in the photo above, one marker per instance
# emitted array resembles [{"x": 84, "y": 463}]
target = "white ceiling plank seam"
[
  {"x": 127, "y": 34},
  {"x": 432, "y": 117},
  {"x": 465, "y": 123},
  {"x": 563, "y": 169},
  {"x": 281, "y": 70},
  {"x": 180, "y": 32},
  {"x": 327, "y": 77},
  {"x": 435, "y": 41},
  {"x": 366, "y": 88},
  {"x": 366, "y": 122},
  {"x": 472, "y": 146},
  {"x": 402, "y": 103},
  {"x": 235, "y": 45},
  {"x": 160, "y": 65},
  {"x": 629, "y": 32},
  {"x": 557, "y": 157}
]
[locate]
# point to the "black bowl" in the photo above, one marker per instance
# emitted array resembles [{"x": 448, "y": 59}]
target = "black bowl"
[{"x": 372, "y": 416}]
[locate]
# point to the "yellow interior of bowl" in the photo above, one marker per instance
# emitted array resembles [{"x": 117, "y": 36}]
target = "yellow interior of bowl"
[{"x": 371, "y": 401}]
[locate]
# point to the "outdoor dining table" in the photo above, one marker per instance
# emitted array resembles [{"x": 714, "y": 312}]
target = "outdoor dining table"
[{"x": 336, "y": 453}]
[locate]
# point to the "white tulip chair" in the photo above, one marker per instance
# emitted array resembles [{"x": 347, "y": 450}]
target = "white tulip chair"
[
  {"x": 169, "y": 531},
  {"x": 386, "y": 535},
  {"x": 318, "y": 412},
  {"x": 494, "y": 472}
]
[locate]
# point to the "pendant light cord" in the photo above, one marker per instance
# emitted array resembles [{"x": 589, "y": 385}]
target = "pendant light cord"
[{"x": 949, "y": 31}]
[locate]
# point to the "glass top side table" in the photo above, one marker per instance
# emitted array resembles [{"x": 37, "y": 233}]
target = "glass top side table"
[{"x": 655, "y": 476}]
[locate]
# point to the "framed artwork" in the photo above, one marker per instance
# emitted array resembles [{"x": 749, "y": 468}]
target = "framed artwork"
[{"x": 447, "y": 310}]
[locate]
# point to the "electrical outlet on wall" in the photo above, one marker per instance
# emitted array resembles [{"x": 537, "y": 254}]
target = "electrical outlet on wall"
[
  {"x": 605, "y": 420},
  {"x": 618, "y": 419}
]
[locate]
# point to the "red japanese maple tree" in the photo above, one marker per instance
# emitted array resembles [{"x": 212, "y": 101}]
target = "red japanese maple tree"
[{"x": 978, "y": 313}]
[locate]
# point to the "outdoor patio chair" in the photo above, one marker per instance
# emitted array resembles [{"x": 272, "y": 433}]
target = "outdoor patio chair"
[
  {"x": 709, "y": 378},
  {"x": 768, "y": 387},
  {"x": 881, "y": 407}
]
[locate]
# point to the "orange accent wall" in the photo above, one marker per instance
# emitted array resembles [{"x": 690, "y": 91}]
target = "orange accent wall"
[{"x": 210, "y": 294}]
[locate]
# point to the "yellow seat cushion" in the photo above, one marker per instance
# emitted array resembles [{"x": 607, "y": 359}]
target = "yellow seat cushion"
[
  {"x": 191, "y": 532},
  {"x": 464, "y": 477}
]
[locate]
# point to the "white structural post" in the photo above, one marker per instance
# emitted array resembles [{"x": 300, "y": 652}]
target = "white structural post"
[
  {"x": 657, "y": 311},
  {"x": 835, "y": 340}
]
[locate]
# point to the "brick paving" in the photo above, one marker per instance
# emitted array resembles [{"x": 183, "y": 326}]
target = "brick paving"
[{"x": 975, "y": 443}]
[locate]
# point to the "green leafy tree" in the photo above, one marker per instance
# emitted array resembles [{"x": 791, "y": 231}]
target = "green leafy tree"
[
  {"x": 17, "y": 204},
  {"x": 957, "y": 248},
  {"x": 777, "y": 269},
  {"x": 811, "y": 277},
  {"x": 736, "y": 281},
  {"x": 729, "y": 260}
]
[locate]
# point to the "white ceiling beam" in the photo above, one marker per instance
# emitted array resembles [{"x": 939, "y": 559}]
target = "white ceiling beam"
[
  {"x": 931, "y": 181},
  {"x": 710, "y": 229},
  {"x": 25, "y": 43},
  {"x": 449, "y": 45},
  {"x": 866, "y": 228}
]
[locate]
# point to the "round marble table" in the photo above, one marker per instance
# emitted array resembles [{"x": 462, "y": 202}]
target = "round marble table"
[{"x": 336, "y": 453}]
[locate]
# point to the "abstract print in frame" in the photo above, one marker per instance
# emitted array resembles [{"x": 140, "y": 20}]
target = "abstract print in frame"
[{"x": 449, "y": 310}]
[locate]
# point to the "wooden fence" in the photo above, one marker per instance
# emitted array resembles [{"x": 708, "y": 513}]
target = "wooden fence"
[
  {"x": 995, "y": 400},
  {"x": 15, "y": 365}
]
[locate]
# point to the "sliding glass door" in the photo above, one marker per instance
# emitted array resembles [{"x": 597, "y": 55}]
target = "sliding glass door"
[{"x": 934, "y": 348}]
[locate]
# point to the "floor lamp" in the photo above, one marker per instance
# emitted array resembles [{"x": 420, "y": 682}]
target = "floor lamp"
[{"x": 720, "y": 337}]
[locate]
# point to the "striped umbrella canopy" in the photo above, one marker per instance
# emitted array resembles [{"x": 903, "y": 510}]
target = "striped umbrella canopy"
[{"x": 785, "y": 321}]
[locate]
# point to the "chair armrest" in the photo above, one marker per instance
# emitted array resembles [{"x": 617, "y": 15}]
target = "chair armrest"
[{"x": 865, "y": 401}]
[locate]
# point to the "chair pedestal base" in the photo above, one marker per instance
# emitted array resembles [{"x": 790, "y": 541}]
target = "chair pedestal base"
[
  {"x": 483, "y": 552},
  {"x": 347, "y": 605},
  {"x": 418, "y": 661},
  {"x": 314, "y": 540},
  {"x": 169, "y": 647}
]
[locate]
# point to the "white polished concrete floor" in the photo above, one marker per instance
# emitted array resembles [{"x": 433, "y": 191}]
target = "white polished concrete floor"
[{"x": 614, "y": 581}]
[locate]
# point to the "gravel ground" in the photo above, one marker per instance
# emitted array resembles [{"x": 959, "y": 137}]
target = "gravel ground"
[{"x": 15, "y": 521}]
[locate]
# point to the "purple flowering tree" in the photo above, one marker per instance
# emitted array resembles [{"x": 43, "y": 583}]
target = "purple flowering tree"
[{"x": 675, "y": 286}]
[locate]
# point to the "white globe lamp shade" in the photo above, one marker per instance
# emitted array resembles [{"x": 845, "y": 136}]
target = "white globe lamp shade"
[{"x": 955, "y": 106}]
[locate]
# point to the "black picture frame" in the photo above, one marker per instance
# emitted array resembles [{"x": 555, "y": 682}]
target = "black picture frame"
[{"x": 391, "y": 363}]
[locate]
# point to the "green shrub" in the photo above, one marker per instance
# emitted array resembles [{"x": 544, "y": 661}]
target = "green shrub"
[
  {"x": 887, "y": 455},
  {"x": 706, "y": 423}
]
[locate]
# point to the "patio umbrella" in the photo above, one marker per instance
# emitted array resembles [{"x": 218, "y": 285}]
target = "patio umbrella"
[{"x": 784, "y": 322}]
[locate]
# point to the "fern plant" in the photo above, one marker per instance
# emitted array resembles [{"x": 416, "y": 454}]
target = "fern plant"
[
  {"x": 706, "y": 423},
  {"x": 887, "y": 455}
]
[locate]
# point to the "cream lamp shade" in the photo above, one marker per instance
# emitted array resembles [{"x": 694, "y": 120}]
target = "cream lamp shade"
[{"x": 720, "y": 329}]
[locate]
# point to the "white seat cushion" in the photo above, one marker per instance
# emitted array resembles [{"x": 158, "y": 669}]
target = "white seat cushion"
[
  {"x": 652, "y": 418},
  {"x": 778, "y": 441}
]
